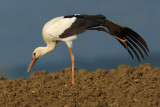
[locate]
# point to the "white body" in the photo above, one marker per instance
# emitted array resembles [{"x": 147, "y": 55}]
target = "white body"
[{"x": 55, "y": 27}]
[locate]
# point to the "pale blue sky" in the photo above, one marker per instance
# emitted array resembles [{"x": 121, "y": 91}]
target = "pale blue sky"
[{"x": 21, "y": 22}]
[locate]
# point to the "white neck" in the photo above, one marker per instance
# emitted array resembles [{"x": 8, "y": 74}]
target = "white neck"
[
  {"x": 44, "y": 50},
  {"x": 51, "y": 46}
]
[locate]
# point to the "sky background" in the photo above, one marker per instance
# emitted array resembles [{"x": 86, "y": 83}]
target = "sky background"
[{"x": 21, "y": 22}]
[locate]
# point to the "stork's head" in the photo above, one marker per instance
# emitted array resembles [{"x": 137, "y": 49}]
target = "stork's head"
[
  {"x": 37, "y": 53},
  {"x": 40, "y": 51}
]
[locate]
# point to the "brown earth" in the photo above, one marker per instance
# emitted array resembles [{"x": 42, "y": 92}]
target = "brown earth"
[{"x": 122, "y": 87}]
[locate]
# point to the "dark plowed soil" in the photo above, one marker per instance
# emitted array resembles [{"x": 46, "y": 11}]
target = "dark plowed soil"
[{"x": 122, "y": 87}]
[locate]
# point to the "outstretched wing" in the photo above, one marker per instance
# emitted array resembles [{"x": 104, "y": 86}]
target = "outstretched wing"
[{"x": 135, "y": 43}]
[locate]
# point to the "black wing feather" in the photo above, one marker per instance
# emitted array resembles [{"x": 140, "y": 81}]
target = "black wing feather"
[
  {"x": 135, "y": 47},
  {"x": 134, "y": 41},
  {"x": 82, "y": 23},
  {"x": 139, "y": 44},
  {"x": 130, "y": 46},
  {"x": 136, "y": 36},
  {"x": 126, "y": 49}
]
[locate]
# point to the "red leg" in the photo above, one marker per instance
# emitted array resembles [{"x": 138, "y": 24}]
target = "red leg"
[
  {"x": 72, "y": 58},
  {"x": 123, "y": 41}
]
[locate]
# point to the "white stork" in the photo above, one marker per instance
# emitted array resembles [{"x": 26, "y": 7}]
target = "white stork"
[{"x": 66, "y": 28}]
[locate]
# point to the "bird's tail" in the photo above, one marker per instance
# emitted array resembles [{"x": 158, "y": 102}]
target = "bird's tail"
[{"x": 132, "y": 41}]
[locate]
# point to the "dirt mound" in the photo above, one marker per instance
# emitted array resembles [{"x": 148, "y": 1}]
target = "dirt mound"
[{"x": 125, "y": 86}]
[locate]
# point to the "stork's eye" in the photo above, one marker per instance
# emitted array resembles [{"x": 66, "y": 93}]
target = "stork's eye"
[{"x": 34, "y": 54}]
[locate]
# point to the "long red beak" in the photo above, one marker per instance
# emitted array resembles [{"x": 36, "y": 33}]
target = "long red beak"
[{"x": 31, "y": 64}]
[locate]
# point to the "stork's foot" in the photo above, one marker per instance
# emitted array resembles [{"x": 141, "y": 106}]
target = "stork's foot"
[{"x": 124, "y": 41}]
